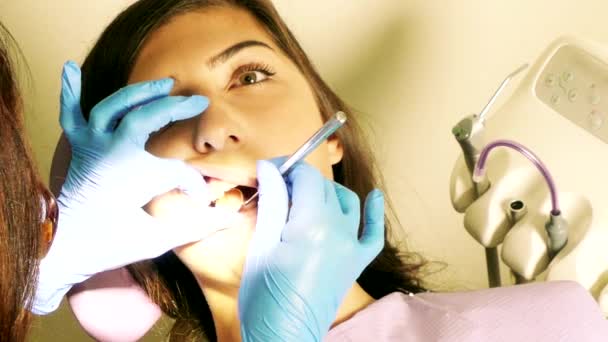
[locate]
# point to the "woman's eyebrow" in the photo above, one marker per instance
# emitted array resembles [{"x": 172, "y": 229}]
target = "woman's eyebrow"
[{"x": 231, "y": 51}]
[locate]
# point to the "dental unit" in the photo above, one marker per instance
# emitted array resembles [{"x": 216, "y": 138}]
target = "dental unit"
[
  {"x": 559, "y": 110},
  {"x": 469, "y": 134},
  {"x": 329, "y": 128}
]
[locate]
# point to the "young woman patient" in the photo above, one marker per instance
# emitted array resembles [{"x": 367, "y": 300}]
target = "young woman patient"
[{"x": 266, "y": 99}]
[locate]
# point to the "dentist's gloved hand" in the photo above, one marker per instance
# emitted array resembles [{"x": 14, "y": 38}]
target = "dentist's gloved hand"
[
  {"x": 102, "y": 225},
  {"x": 299, "y": 269}
]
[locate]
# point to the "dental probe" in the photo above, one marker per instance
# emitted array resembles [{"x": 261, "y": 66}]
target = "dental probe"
[{"x": 329, "y": 128}]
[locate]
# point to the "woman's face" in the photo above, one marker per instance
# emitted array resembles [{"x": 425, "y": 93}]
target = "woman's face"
[{"x": 261, "y": 107}]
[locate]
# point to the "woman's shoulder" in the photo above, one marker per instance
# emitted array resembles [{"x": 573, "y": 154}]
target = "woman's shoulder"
[{"x": 550, "y": 311}]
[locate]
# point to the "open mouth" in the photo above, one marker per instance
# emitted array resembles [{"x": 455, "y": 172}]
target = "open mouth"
[
  {"x": 227, "y": 194},
  {"x": 247, "y": 191}
]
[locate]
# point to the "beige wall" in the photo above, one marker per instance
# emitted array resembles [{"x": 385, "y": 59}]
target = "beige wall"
[{"x": 414, "y": 68}]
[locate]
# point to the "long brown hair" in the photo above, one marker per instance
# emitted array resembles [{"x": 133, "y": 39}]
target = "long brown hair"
[
  {"x": 20, "y": 205},
  {"x": 167, "y": 281}
]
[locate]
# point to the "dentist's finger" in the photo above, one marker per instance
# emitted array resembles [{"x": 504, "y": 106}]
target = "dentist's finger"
[
  {"x": 307, "y": 189},
  {"x": 149, "y": 118},
  {"x": 161, "y": 175},
  {"x": 186, "y": 224},
  {"x": 71, "y": 117},
  {"x": 348, "y": 199},
  {"x": 350, "y": 206},
  {"x": 278, "y": 161},
  {"x": 372, "y": 238},
  {"x": 273, "y": 206},
  {"x": 106, "y": 113}
]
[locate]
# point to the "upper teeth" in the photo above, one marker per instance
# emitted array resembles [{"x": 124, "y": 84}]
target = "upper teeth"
[{"x": 218, "y": 188}]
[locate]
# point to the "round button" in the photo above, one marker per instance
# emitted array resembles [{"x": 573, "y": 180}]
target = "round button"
[
  {"x": 572, "y": 95},
  {"x": 568, "y": 76},
  {"x": 596, "y": 119},
  {"x": 550, "y": 80},
  {"x": 555, "y": 99}
]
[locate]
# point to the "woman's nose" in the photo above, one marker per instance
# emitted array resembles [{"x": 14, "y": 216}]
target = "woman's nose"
[{"x": 216, "y": 131}]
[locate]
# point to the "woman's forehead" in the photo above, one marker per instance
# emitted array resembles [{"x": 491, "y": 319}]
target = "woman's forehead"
[
  {"x": 201, "y": 34},
  {"x": 212, "y": 29}
]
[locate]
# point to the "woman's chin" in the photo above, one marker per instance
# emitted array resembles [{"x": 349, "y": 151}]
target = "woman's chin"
[{"x": 220, "y": 256}]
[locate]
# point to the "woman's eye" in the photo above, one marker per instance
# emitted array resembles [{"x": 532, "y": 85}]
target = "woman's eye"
[
  {"x": 251, "y": 74},
  {"x": 252, "y": 77}
]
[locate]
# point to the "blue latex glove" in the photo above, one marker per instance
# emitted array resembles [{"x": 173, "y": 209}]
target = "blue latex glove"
[
  {"x": 102, "y": 225},
  {"x": 297, "y": 273}
]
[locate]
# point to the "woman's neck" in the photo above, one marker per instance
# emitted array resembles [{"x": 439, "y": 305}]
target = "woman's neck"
[{"x": 222, "y": 301}]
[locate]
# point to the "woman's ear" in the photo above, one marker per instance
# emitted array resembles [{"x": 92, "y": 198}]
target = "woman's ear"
[
  {"x": 47, "y": 230},
  {"x": 48, "y": 227},
  {"x": 335, "y": 149}
]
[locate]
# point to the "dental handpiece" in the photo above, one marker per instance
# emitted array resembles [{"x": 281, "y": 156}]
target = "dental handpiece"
[
  {"x": 469, "y": 132},
  {"x": 329, "y": 128}
]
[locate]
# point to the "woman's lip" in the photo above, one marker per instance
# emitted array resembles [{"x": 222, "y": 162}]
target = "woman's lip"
[{"x": 227, "y": 174}]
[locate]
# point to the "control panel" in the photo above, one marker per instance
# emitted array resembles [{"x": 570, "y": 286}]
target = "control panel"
[{"x": 575, "y": 85}]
